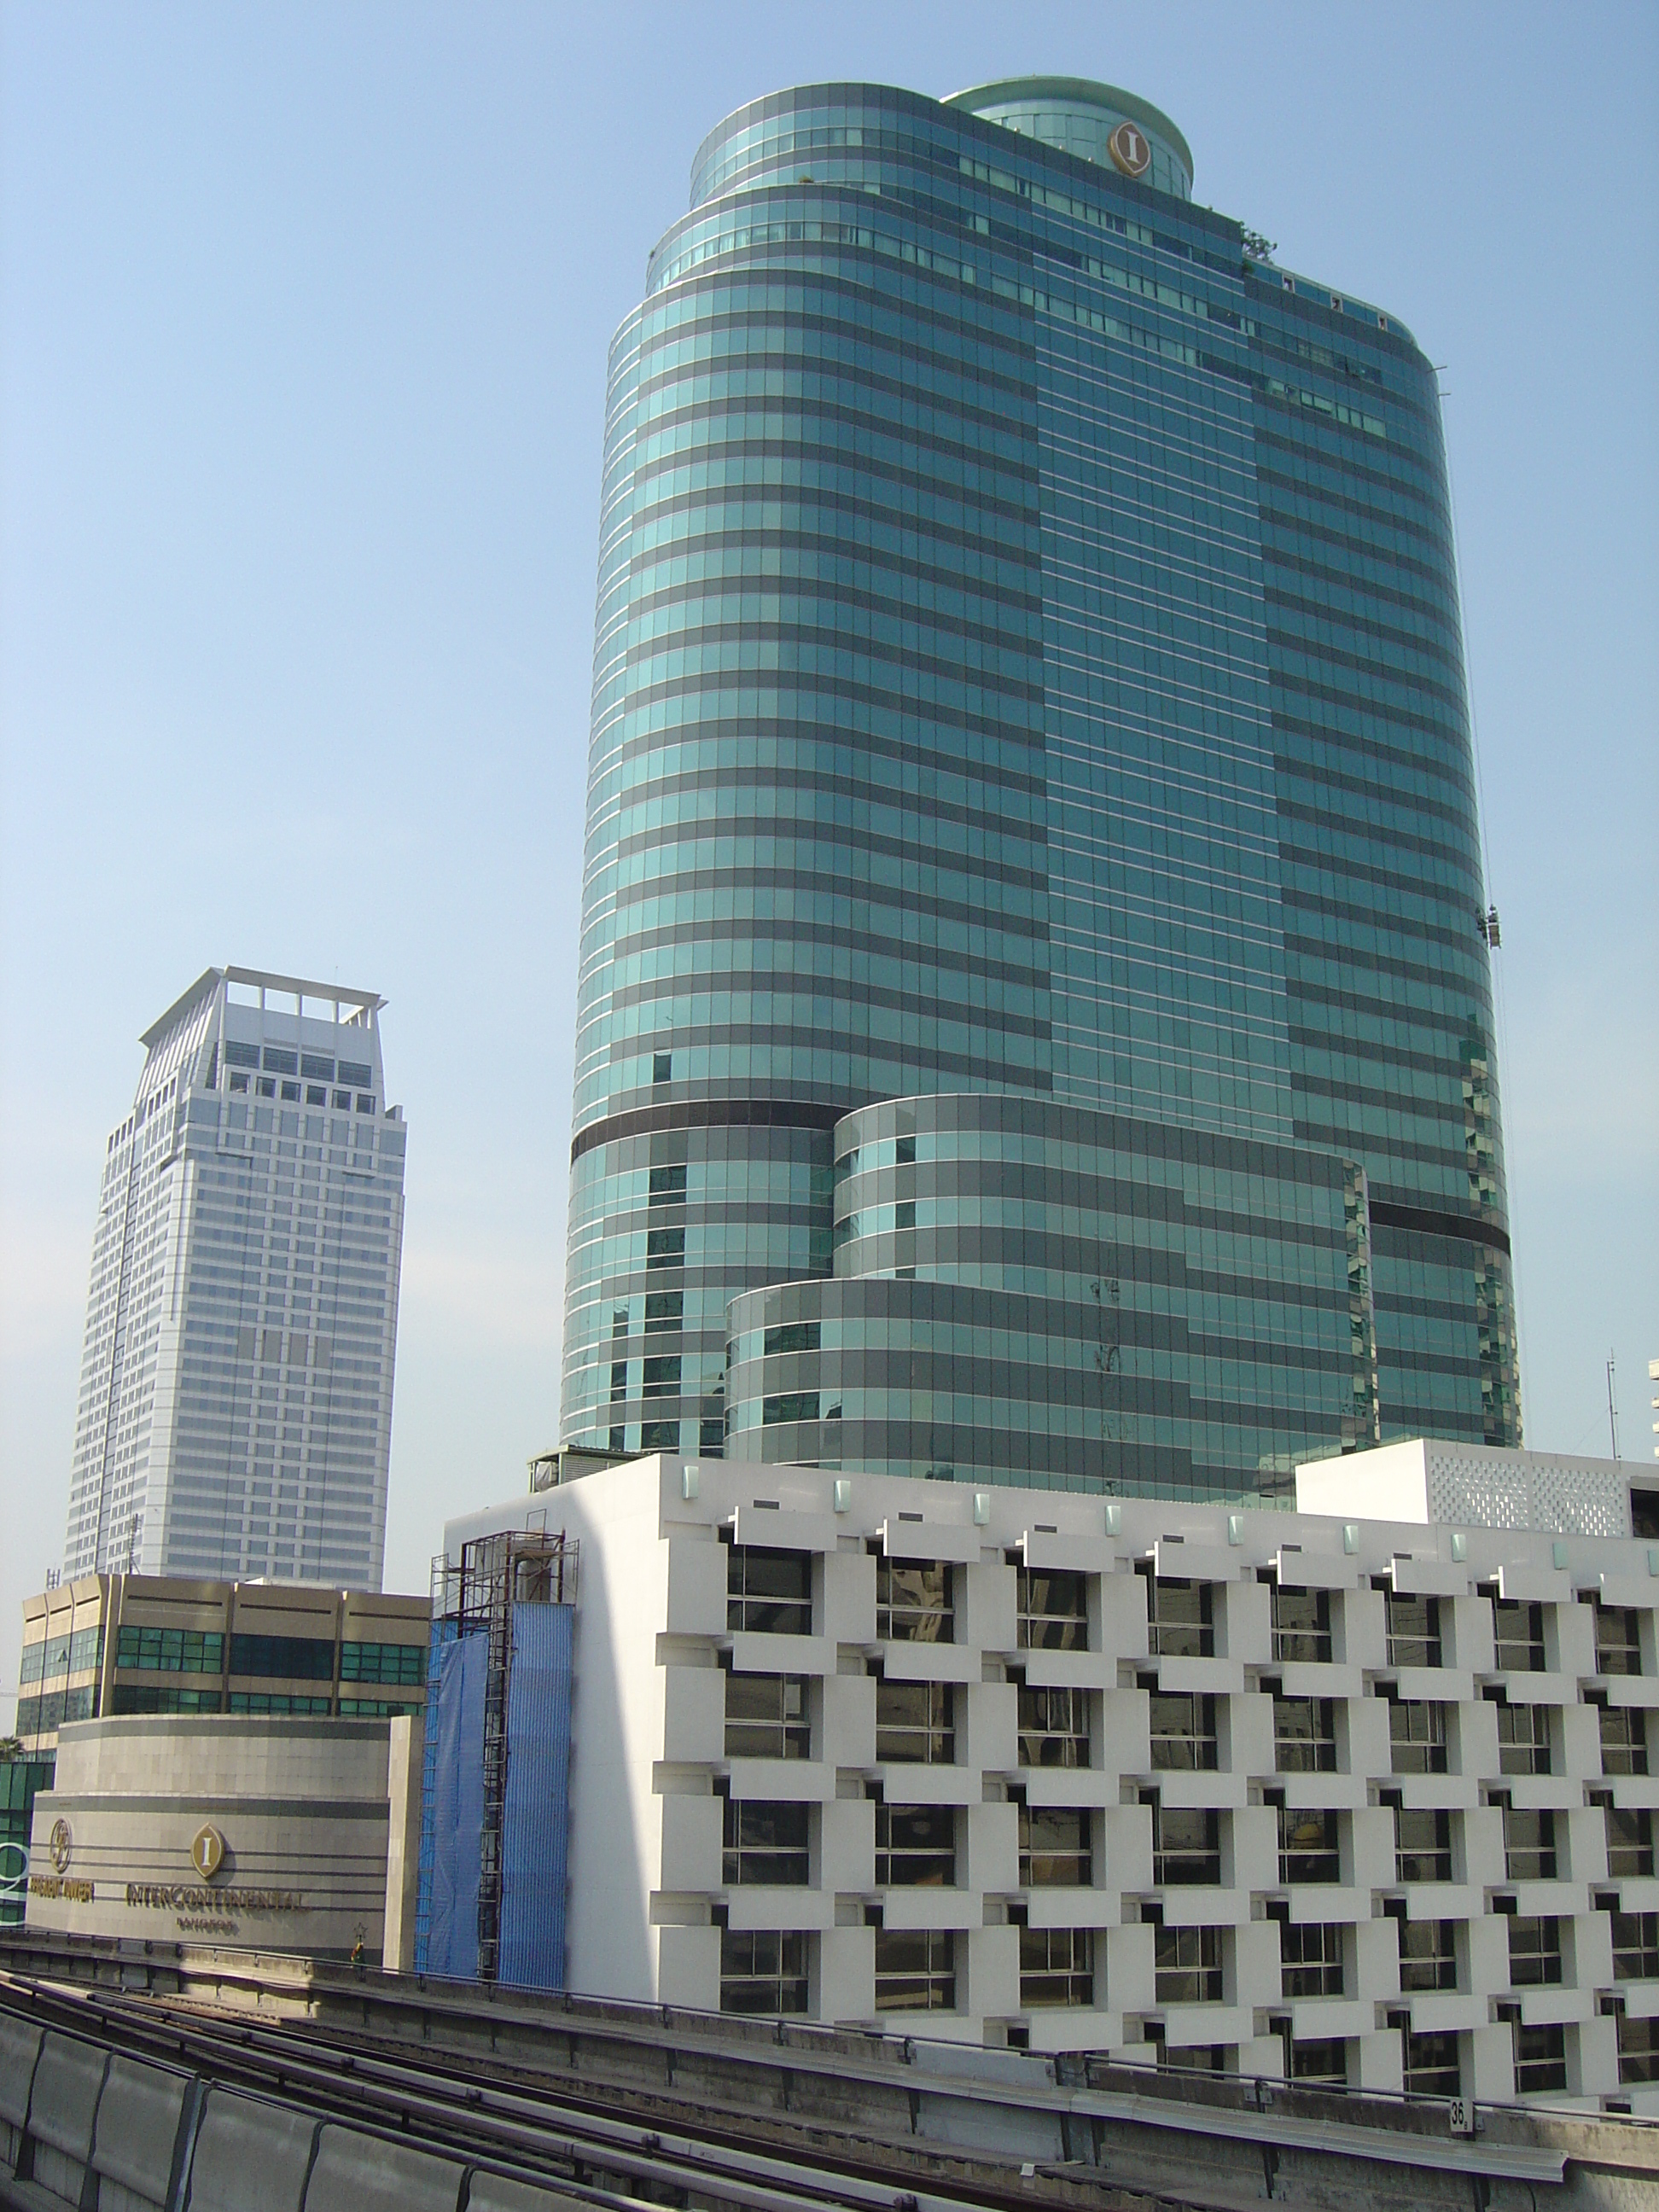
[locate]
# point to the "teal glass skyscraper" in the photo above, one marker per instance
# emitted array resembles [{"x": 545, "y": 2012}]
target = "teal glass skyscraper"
[{"x": 1035, "y": 1012}]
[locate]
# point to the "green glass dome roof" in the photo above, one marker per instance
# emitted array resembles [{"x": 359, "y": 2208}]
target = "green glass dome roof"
[{"x": 1080, "y": 117}]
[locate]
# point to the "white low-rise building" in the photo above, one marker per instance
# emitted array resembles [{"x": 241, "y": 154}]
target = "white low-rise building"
[{"x": 1362, "y": 1800}]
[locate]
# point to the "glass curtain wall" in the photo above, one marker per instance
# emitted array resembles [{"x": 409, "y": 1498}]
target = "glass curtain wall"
[{"x": 1028, "y": 664}]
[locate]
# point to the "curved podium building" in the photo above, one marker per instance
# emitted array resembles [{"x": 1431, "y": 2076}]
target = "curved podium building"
[{"x": 1035, "y": 1011}]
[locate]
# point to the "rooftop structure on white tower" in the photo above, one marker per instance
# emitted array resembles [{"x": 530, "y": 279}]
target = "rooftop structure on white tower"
[{"x": 235, "y": 1417}]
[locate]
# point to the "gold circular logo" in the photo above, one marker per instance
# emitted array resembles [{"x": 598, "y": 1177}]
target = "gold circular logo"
[
  {"x": 207, "y": 1853},
  {"x": 60, "y": 1845},
  {"x": 1129, "y": 150}
]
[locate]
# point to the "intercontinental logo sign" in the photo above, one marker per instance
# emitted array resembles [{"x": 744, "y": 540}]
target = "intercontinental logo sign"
[
  {"x": 207, "y": 1855},
  {"x": 1129, "y": 150}
]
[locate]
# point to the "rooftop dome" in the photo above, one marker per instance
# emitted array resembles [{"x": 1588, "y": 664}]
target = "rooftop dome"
[{"x": 1099, "y": 123}]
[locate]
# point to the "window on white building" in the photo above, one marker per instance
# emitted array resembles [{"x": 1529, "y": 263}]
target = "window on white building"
[
  {"x": 765, "y": 1843},
  {"x": 1624, "y": 1740},
  {"x": 1413, "y": 1626},
  {"x": 1309, "y": 1958},
  {"x": 1180, "y": 1619},
  {"x": 1428, "y": 1953},
  {"x": 915, "y": 1846},
  {"x": 1056, "y": 1967},
  {"x": 764, "y": 1970},
  {"x": 1302, "y": 1624},
  {"x": 1417, "y": 1735},
  {"x": 766, "y": 1716},
  {"x": 1053, "y": 1609},
  {"x": 915, "y": 1969},
  {"x": 1187, "y": 1965},
  {"x": 1305, "y": 1735},
  {"x": 1182, "y": 1729},
  {"x": 1054, "y": 1726},
  {"x": 913, "y": 1601},
  {"x": 1054, "y": 1847},
  {"x": 915, "y": 1723},
  {"x": 769, "y": 1592}
]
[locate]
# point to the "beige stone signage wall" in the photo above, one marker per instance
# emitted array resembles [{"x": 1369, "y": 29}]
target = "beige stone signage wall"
[{"x": 291, "y": 1816}]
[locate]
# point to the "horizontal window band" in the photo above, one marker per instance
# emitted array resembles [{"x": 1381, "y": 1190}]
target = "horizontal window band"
[
  {"x": 707, "y": 1114},
  {"x": 1429, "y": 1221}
]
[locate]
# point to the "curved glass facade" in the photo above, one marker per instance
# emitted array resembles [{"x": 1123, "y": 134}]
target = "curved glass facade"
[
  {"x": 1071, "y": 1298},
  {"x": 1027, "y": 663}
]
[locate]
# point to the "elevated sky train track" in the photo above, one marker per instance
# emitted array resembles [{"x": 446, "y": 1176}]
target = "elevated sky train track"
[
  {"x": 516, "y": 2124},
  {"x": 618, "y": 2106}
]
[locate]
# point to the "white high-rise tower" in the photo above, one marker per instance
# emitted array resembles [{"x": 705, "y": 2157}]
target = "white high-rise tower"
[{"x": 236, "y": 1410}]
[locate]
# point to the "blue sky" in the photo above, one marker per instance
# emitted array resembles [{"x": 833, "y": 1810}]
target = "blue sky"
[{"x": 305, "y": 318}]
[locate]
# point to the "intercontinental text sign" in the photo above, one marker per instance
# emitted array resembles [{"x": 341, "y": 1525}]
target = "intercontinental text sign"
[{"x": 184, "y": 1897}]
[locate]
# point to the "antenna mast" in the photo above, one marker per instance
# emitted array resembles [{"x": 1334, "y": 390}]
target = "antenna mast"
[{"x": 1612, "y": 1406}]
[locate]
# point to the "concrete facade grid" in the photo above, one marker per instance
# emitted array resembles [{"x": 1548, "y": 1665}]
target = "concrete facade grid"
[{"x": 654, "y": 1913}]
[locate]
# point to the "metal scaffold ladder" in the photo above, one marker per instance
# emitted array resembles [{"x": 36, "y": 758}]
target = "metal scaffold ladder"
[{"x": 517, "y": 1567}]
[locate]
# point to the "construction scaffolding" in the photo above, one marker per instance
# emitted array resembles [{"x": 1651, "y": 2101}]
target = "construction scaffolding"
[{"x": 477, "y": 1597}]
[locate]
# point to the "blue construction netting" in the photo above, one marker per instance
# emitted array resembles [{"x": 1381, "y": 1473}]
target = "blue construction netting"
[
  {"x": 535, "y": 1826},
  {"x": 444, "y": 1632},
  {"x": 458, "y": 1806}
]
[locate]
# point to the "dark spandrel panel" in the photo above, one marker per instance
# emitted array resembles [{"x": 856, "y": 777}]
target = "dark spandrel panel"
[
  {"x": 292, "y": 1658},
  {"x": 383, "y": 1662},
  {"x": 789, "y": 1406},
  {"x": 139, "y": 1697}
]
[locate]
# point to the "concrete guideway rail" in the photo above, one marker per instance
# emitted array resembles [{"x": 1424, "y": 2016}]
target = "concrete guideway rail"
[
  {"x": 303, "y": 2061},
  {"x": 940, "y": 2121},
  {"x": 398, "y": 2101},
  {"x": 311, "y": 2065}
]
